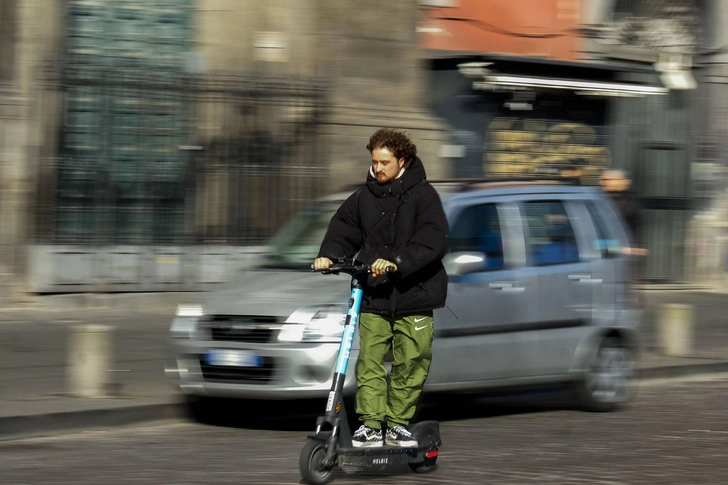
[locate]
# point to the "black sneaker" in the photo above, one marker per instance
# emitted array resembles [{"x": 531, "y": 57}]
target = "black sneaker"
[
  {"x": 366, "y": 437},
  {"x": 400, "y": 436}
]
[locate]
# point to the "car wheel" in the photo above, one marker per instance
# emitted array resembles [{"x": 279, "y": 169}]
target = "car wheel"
[
  {"x": 608, "y": 377},
  {"x": 200, "y": 409}
]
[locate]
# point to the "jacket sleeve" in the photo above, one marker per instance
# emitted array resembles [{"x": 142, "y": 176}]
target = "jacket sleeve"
[
  {"x": 431, "y": 240},
  {"x": 632, "y": 217},
  {"x": 343, "y": 237}
]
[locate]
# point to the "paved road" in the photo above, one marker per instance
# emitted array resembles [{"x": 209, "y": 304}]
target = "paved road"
[
  {"x": 676, "y": 432},
  {"x": 33, "y": 353},
  {"x": 711, "y": 321}
]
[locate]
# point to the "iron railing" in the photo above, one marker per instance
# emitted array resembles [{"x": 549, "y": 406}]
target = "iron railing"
[{"x": 163, "y": 157}]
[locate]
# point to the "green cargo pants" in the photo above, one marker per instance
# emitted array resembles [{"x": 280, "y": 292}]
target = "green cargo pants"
[{"x": 410, "y": 339}]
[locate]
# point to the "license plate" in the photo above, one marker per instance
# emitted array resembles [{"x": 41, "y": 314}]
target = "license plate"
[{"x": 233, "y": 358}]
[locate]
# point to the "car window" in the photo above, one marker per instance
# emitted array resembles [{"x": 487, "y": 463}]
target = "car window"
[
  {"x": 614, "y": 230},
  {"x": 297, "y": 243},
  {"x": 549, "y": 234},
  {"x": 478, "y": 229},
  {"x": 603, "y": 243}
]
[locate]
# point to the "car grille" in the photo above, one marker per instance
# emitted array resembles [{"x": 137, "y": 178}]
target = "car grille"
[
  {"x": 248, "y": 375},
  {"x": 257, "y": 329}
]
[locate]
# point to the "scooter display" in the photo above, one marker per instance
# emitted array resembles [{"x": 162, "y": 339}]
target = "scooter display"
[{"x": 330, "y": 446}]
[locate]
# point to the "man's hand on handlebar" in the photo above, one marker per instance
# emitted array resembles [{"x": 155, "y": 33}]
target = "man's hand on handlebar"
[
  {"x": 380, "y": 267},
  {"x": 322, "y": 264}
]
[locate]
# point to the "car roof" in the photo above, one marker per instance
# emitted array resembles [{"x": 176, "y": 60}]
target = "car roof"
[{"x": 497, "y": 186}]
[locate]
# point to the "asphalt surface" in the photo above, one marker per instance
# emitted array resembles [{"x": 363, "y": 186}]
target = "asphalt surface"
[
  {"x": 675, "y": 432},
  {"x": 34, "y": 353},
  {"x": 710, "y": 336},
  {"x": 34, "y": 350}
]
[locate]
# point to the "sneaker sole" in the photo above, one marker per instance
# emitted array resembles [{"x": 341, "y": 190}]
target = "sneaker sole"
[
  {"x": 372, "y": 444},
  {"x": 406, "y": 444}
]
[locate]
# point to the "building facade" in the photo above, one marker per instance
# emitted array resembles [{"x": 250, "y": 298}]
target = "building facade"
[
  {"x": 150, "y": 145},
  {"x": 635, "y": 85},
  {"x": 166, "y": 139}
]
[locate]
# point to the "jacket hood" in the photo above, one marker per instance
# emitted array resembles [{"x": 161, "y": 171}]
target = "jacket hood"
[{"x": 410, "y": 178}]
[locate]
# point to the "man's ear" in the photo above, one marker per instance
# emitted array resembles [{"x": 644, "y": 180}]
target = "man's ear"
[{"x": 400, "y": 162}]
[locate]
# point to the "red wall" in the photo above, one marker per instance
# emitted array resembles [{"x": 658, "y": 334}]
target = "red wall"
[{"x": 537, "y": 28}]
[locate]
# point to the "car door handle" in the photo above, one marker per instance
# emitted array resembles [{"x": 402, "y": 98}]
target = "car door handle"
[
  {"x": 579, "y": 277},
  {"x": 583, "y": 278},
  {"x": 506, "y": 287}
]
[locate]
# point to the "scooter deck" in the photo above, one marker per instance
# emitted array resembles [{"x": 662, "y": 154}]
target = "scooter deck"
[
  {"x": 381, "y": 455},
  {"x": 378, "y": 450}
]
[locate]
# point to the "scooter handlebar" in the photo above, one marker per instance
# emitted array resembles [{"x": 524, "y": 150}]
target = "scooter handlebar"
[{"x": 349, "y": 267}]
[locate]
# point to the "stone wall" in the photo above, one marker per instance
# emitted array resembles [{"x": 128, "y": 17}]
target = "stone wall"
[{"x": 366, "y": 49}]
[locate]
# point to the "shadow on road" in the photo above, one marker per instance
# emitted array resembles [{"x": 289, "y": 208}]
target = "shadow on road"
[{"x": 300, "y": 415}]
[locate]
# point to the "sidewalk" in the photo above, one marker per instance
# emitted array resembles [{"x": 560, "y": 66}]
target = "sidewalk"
[{"x": 33, "y": 397}]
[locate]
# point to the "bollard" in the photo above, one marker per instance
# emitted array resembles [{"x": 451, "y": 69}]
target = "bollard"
[
  {"x": 675, "y": 325},
  {"x": 89, "y": 360}
]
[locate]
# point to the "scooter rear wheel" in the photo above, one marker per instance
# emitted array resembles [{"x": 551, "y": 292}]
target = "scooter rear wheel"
[
  {"x": 311, "y": 463},
  {"x": 427, "y": 466}
]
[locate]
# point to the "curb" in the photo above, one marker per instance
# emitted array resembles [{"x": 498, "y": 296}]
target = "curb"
[
  {"x": 684, "y": 370},
  {"x": 158, "y": 302},
  {"x": 17, "y": 427}
]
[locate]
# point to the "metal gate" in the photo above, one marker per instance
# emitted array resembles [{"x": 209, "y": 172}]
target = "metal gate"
[{"x": 152, "y": 161}]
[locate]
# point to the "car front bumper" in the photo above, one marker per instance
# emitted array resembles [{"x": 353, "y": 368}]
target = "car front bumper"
[{"x": 288, "y": 370}]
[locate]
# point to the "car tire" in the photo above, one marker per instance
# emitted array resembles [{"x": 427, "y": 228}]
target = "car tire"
[
  {"x": 607, "y": 381},
  {"x": 205, "y": 410}
]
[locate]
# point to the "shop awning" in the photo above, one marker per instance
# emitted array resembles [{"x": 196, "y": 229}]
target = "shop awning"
[
  {"x": 508, "y": 73},
  {"x": 491, "y": 80},
  {"x": 592, "y": 88}
]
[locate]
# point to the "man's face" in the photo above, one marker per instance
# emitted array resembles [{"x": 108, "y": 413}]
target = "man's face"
[
  {"x": 613, "y": 182},
  {"x": 385, "y": 165}
]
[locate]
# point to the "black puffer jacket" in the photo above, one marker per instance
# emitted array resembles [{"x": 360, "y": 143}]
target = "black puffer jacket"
[{"x": 402, "y": 222}]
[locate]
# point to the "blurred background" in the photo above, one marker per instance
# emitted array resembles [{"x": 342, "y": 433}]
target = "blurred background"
[{"x": 154, "y": 145}]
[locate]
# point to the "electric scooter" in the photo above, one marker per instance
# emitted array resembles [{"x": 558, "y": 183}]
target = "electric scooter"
[{"x": 330, "y": 445}]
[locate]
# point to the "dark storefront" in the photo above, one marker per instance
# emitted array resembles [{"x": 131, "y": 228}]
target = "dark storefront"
[{"x": 515, "y": 116}]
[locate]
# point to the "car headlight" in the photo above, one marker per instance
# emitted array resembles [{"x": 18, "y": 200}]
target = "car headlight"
[
  {"x": 323, "y": 323},
  {"x": 185, "y": 321},
  {"x": 190, "y": 311}
]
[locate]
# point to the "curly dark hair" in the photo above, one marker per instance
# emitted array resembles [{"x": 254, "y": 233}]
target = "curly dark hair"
[{"x": 397, "y": 142}]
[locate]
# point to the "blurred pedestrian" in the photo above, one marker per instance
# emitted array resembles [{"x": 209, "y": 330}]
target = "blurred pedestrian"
[
  {"x": 617, "y": 184},
  {"x": 394, "y": 220}
]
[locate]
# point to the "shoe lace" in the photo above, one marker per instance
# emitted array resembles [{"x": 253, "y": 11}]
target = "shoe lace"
[{"x": 401, "y": 430}]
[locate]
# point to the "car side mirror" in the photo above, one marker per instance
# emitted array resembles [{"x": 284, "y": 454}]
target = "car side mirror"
[{"x": 464, "y": 262}]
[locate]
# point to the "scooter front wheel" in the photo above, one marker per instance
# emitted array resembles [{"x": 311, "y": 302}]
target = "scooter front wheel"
[{"x": 312, "y": 465}]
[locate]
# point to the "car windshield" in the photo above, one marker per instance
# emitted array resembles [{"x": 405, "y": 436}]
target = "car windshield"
[{"x": 298, "y": 242}]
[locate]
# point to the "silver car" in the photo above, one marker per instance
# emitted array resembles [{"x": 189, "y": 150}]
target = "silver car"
[{"x": 539, "y": 294}]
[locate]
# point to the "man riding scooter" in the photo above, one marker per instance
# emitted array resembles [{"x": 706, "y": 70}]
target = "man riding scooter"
[{"x": 395, "y": 220}]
